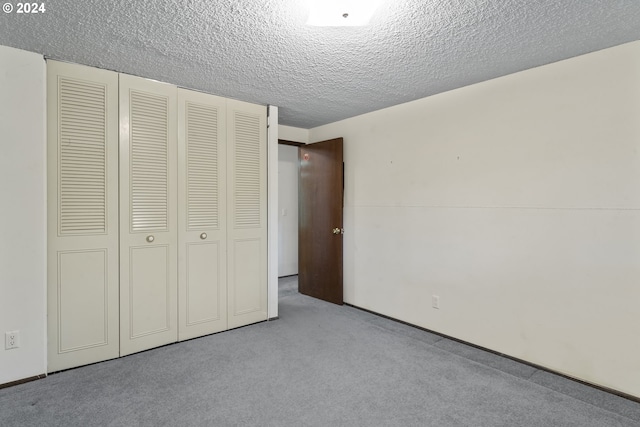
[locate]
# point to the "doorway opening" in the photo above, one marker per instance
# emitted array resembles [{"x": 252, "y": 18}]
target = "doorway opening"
[
  {"x": 288, "y": 170},
  {"x": 310, "y": 229}
]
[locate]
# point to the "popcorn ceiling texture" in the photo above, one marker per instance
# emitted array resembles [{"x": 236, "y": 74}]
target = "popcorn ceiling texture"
[{"x": 261, "y": 51}]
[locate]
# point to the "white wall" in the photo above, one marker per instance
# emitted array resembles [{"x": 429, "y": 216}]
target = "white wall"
[
  {"x": 287, "y": 210},
  {"x": 517, "y": 202},
  {"x": 288, "y": 199},
  {"x": 22, "y": 212},
  {"x": 290, "y": 133}
]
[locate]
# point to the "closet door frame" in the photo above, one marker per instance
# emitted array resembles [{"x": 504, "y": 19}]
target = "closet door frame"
[{"x": 241, "y": 249}]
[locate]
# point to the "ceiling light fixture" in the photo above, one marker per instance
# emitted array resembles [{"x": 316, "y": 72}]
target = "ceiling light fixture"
[{"x": 341, "y": 13}]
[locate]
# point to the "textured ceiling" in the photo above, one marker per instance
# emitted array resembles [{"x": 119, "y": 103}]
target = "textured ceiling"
[{"x": 261, "y": 50}]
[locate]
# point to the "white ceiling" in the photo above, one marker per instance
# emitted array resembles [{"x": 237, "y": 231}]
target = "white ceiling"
[{"x": 261, "y": 50}]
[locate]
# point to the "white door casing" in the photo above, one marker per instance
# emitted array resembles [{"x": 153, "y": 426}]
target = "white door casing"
[
  {"x": 148, "y": 214},
  {"x": 82, "y": 215}
]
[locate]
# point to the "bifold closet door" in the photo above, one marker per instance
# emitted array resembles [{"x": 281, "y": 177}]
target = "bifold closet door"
[
  {"x": 148, "y": 214},
  {"x": 82, "y": 284},
  {"x": 202, "y": 225},
  {"x": 247, "y": 213}
]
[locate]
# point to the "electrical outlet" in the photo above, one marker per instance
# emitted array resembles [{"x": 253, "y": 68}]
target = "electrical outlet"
[
  {"x": 11, "y": 340},
  {"x": 435, "y": 301}
]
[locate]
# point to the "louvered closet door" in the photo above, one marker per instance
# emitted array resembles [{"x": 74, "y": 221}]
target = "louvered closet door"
[
  {"x": 82, "y": 109},
  {"x": 202, "y": 242},
  {"x": 247, "y": 213},
  {"x": 148, "y": 214}
]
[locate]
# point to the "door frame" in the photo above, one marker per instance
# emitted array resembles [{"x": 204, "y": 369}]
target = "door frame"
[
  {"x": 272, "y": 212},
  {"x": 273, "y": 203},
  {"x": 272, "y": 207}
]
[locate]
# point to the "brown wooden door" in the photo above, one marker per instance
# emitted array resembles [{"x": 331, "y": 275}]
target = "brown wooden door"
[{"x": 320, "y": 221}]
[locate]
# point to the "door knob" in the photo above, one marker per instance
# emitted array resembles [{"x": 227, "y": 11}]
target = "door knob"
[
  {"x": 336, "y": 231},
  {"x": 150, "y": 238},
  {"x": 203, "y": 236}
]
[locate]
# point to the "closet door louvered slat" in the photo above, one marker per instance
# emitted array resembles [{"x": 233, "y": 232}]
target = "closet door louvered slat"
[
  {"x": 202, "y": 221},
  {"x": 247, "y": 207},
  {"x": 82, "y": 215},
  {"x": 148, "y": 229}
]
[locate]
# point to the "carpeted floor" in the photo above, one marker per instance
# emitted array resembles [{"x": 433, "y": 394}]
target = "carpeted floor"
[
  {"x": 317, "y": 365},
  {"x": 287, "y": 286}
]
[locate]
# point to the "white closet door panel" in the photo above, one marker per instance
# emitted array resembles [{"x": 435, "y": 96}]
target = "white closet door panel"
[
  {"x": 148, "y": 204},
  {"x": 247, "y": 292},
  {"x": 83, "y": 292},
  {"x": 205, "y": 292},
  {"x": 247, "y": 210},
  {"x": 202, "y": 214},
  {"x": 149, "y": 290},
  {"x": 82, "y": 215}
]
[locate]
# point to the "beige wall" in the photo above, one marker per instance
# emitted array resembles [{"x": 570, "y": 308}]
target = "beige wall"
[
  {"x": 288, "y": 199},
  {"x": 287, "y": 210},
  {"x": 517, "y": 202},
  {"x": 290, "y": 133},
  {"x": 22, "y": 213}
]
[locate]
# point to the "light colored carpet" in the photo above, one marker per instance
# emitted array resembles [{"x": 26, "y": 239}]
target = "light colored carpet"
[
  {"x": 287, "y": 286},
  {"x": 319, "y": 364}
]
